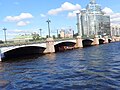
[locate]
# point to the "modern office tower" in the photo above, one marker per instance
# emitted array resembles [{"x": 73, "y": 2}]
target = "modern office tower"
[{"x": 92, "y": 21}]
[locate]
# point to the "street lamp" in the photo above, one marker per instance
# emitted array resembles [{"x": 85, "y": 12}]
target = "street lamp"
[
  {"x": 48, "y": 21},
  {"x": 57, "y": 33},
  {"x": 40, "y": 32},
  {"x": 4, "y": 29}
]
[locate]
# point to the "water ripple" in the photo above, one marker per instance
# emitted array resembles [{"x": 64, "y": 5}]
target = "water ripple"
[{"x": 92, "y": 68}]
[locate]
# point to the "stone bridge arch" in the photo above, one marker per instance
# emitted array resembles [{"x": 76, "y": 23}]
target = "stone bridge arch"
[
  {"x": 87, "y": 42},
  {"x": 65, "y": 45},
  {"x": 23, "y": 51},
  {"x": 101, "y": 41}
]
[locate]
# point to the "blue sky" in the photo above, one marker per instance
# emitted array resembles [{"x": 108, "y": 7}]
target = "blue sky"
[{"x": 28, "y": 16}]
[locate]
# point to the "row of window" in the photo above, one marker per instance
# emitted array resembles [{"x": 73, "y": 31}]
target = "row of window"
[{"x": 115, "y": 28}]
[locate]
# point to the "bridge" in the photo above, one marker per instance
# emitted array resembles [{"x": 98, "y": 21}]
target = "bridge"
[{"x": 50, "y": 46}]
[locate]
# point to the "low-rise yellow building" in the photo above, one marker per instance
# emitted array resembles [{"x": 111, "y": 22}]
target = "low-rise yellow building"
[{"x": 66, "y": 33}]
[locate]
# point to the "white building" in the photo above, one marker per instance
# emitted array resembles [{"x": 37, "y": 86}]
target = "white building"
[{"x": 115, "y": 30}]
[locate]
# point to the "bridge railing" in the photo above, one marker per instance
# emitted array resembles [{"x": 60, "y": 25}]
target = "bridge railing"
[
  {"x": 31, "y": 42},
  {"x": 20, "y": 43}
]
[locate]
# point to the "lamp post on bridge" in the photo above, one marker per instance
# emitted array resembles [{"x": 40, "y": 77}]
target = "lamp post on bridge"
[
  {"x": 48, "y": 21},
  {"x": 57, "y": 33},
  {"x": 40, "y": 32},
  {"x": 4, "y": 29}
]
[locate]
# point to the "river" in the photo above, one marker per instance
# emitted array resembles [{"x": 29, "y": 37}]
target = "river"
[{"x": 91, "y": 68}]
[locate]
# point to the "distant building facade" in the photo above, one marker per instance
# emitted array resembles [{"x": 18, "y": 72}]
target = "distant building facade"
[
  {"x": 92, "y": 21},
  {"x": 66, "y": 33},
  {"x": 115, "y": 30},
  {"x": 62, "y": 34},
  {"x": 22, "y": 38}
]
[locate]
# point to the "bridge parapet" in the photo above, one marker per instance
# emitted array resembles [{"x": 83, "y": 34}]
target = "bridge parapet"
[
  {"x": 57, "y": 42},
  {"x": 5, "y": 49}
]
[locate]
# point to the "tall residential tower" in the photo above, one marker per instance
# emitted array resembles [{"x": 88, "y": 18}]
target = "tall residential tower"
[{"x": 92, "y": 21}]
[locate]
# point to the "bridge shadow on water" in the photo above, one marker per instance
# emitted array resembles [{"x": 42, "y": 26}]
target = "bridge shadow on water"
[{"x": 22, "y": 58}]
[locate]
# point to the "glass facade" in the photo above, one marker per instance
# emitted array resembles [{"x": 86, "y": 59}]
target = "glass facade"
[{"x": 93, "y": 21}]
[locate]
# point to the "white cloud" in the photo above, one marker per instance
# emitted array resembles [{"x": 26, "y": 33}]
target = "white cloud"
[
  {"x": 73, "y": 14},
  {"x": 64, "y": 7},
  {"x": 19, "y": 17},
  {"x": 18, "y": 31},
  {"x": 114, "y": 17},
  {"x": 42, "y": 15},
  {"x": 107, "y": 10},
  {"x": 23, "y": 23}
]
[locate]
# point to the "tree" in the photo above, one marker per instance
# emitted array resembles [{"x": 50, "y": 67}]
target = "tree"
[
  {"x": 1, "y": 42},
  {"x": 47, "y": 36},
  {"x": 58, "y": 35},
  {"x": 75, "y": 35},
  {"x": 35, "y": 36},
  {"x": 53, "y": 36}
]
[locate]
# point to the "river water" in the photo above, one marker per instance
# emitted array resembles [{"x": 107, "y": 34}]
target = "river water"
[{"x": 91, "y": 68}]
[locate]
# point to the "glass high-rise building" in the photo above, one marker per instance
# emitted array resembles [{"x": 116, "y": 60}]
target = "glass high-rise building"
[{"x": 92, "y": 21}]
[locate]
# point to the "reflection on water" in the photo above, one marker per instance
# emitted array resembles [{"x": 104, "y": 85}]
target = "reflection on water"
[
  {"x": 91, "y": 68},
  {"x": 1, "y": 67},
  {"x": 3, "y": 83},
  {"x": 51, "y": 56}
]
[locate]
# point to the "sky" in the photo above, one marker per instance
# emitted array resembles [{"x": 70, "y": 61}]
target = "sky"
[{"x": 28, "y": 16}]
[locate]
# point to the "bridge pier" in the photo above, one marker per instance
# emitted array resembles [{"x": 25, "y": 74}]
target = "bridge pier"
[
  {"x": 113, "y": 38},
  {"x": 96, "y": 40},
  {"x": 106, "y": 39},
  {"x": 79, "y": 43},
  {"x": 49, "y": 46}
]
